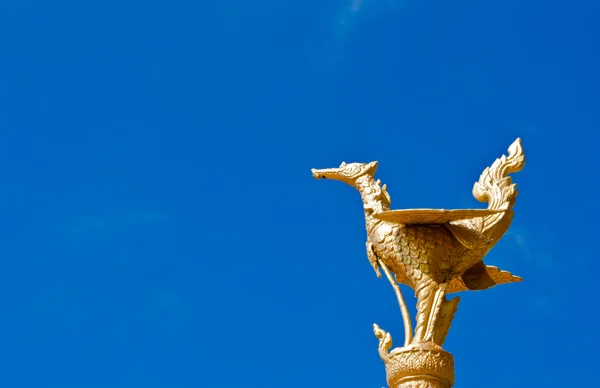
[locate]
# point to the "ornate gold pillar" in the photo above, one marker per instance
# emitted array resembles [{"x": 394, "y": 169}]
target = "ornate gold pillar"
[{"x": 417, "y": 366}]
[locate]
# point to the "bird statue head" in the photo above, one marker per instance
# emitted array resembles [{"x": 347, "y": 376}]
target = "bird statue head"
[{"x": 346, "y": 172}]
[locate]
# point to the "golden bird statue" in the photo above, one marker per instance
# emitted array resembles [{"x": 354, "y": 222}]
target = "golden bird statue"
[{"x": 434, "y": 251}]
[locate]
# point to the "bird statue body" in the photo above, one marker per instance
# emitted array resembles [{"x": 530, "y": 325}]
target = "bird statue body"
[{"x": 435, "y": 252}]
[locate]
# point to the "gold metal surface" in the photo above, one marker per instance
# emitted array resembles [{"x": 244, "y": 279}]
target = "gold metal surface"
[{"x": 435, "y": 252}]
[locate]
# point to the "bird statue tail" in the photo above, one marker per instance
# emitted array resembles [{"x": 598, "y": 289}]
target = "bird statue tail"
[{"x": 496, "y": 188}]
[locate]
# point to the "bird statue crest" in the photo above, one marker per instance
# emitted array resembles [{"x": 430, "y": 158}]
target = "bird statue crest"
[{"x": 435, "y": 252}]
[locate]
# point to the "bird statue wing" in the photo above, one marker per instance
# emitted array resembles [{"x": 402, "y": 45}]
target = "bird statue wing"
[
  {"x": 432, "y": 216},
  {"x": 494, "y": 274}
]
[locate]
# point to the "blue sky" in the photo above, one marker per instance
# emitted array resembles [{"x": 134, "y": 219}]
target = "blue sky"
[{"x": 161, "y": 228}]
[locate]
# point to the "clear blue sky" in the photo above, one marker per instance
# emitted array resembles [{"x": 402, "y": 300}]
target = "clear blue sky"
[{"x": 161, "y": 228}]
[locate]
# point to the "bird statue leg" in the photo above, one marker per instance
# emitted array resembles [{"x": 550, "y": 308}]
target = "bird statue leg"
[
  {"x": 438, "y": 299},
  {"x": 446, "y": 315},
  {"x": 426, "y": 293},
  {"x": 402, "y": 303}
]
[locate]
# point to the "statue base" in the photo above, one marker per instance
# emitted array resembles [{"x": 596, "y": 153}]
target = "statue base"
[{"x": 420, "y": 367}]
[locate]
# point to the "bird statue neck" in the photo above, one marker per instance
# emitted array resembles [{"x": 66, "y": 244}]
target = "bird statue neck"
[{"x": 375, "y": 198}]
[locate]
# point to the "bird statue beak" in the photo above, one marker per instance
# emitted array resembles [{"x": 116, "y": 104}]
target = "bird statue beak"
[{"x": 324, "y": 173}]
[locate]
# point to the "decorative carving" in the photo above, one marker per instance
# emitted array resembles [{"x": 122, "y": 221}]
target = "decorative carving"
[
  {"x": 385, "y": 342},
  {"x": 416, "y": 367},
  {"x": 435, "y": 252}
]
